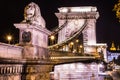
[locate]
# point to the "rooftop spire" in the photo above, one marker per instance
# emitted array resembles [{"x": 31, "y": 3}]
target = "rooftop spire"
[
  {"x": 118, "y": 48},
  {"x": 113, "y": 48}
]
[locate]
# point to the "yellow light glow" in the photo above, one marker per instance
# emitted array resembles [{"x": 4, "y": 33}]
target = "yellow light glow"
[
  {"x": 9, "y": 38},
  {"x": 81, "y": 46},
  {"x": 77, "y": 40},
  {"x": 52, "y": 37},
  {"x": 72, "y": 43},
  {"x": 113, "y": 48}
]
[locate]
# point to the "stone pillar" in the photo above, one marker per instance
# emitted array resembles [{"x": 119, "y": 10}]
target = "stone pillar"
[
  {"x": 89, "y": 36},
  {"x": 33, "y": 33},
  {"x": 34, "y": 39},
  {"x": 89, "y": 33}
]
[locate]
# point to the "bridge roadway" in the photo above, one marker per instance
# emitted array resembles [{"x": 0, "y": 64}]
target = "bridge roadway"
[
  {"x": 51, "y": 60},
  {"x": 38, "y": 69}
]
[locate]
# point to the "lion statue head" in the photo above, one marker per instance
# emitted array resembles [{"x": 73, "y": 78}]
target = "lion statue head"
[{"x": 32, "y": 15}]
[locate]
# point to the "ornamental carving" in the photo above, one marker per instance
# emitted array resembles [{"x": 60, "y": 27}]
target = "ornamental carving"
[
  {"x": 26, "y": 36},
  {"x": 32, "y": 15}
]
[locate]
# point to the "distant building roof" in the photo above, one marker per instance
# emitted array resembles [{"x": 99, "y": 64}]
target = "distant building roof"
[{"x": 113, "y": 48}]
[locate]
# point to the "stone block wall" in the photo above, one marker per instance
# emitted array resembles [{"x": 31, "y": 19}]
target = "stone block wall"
[
  {"x": 76, "y": 71},
  {"x": 10, "y": 51}
]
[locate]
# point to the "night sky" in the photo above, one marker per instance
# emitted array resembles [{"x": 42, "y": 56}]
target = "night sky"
[{"x": 107, "y": 25}]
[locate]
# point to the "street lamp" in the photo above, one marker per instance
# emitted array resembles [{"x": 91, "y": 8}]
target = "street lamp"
[
  {"x": 80, "y": 50},
  {"x": 77, "y": 41},
  {"x": 52, "y": 38},
  {"x": 9, "y": 38},
  {"x": 81, "y": 46},
  {"x": 71, "y": 44}
]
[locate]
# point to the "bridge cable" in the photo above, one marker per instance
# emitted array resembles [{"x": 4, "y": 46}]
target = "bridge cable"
[{"x": 69, "y": 39}]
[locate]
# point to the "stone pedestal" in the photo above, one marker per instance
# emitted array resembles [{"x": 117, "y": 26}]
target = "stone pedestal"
[{"x": 34, "y": 39}]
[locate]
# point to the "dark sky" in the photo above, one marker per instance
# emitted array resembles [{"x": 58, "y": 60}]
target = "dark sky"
[{"x": 107, "y": 25}]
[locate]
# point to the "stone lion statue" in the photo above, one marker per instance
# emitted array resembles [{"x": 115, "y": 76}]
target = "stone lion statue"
[{"x": 32, "y": 15}]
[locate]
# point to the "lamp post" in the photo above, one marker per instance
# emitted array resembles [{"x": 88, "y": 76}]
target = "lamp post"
[
  {"x": 9, "y": 38},
  {"x": 72, "y": 44},
  {"x": 77, "y": 48},
  {"x": 81, "y": 49},
  {"x": 52, "y": 38}
]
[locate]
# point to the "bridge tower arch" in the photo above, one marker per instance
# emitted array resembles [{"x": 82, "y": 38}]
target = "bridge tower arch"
[{"x": 76, "y": 17}]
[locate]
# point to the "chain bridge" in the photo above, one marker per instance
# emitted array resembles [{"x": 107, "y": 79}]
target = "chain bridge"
[{"x": 41, "y": 51}]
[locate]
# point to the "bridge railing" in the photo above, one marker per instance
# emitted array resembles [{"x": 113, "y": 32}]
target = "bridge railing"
[
  {"x": 54, "y": 53},
  {"x": 10, "y": 51}
]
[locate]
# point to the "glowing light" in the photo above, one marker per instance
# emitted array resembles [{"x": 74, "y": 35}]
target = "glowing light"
[
  {"x": 9, "y": 38},
  {"x": 113, "y": 48},
  {"x": 72, "y": 43},
  {"x": 52, "y": 37},
  {"x": 81, "y": 46},
  {"x": 77, "y": 40},
  {"x": 74, "y": 51}
]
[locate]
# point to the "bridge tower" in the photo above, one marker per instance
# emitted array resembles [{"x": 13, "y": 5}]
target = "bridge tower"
[{"x": 76, "y": 17}]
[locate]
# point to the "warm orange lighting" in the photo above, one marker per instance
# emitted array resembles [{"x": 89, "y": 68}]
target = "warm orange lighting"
[
  {"x": 72, "y": 43},
  {"x": 113, "y": 48},
  {"x": 77, "y": 40},
  {"x": 81, "y": 46},
  {"x": 52, "y": 37},
  {"x": 9, "y": 38}
]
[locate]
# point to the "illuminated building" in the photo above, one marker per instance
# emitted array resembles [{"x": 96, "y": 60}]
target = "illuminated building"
[{"x": 113, "y": 53}]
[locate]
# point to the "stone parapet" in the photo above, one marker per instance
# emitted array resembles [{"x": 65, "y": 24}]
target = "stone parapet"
[{"x": 10, "y": 51}]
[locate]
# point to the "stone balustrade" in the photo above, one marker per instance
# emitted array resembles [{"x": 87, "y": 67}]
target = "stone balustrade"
[
  {"x": 11, "y": 72},
  {"x": 10, "y": 69}
]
